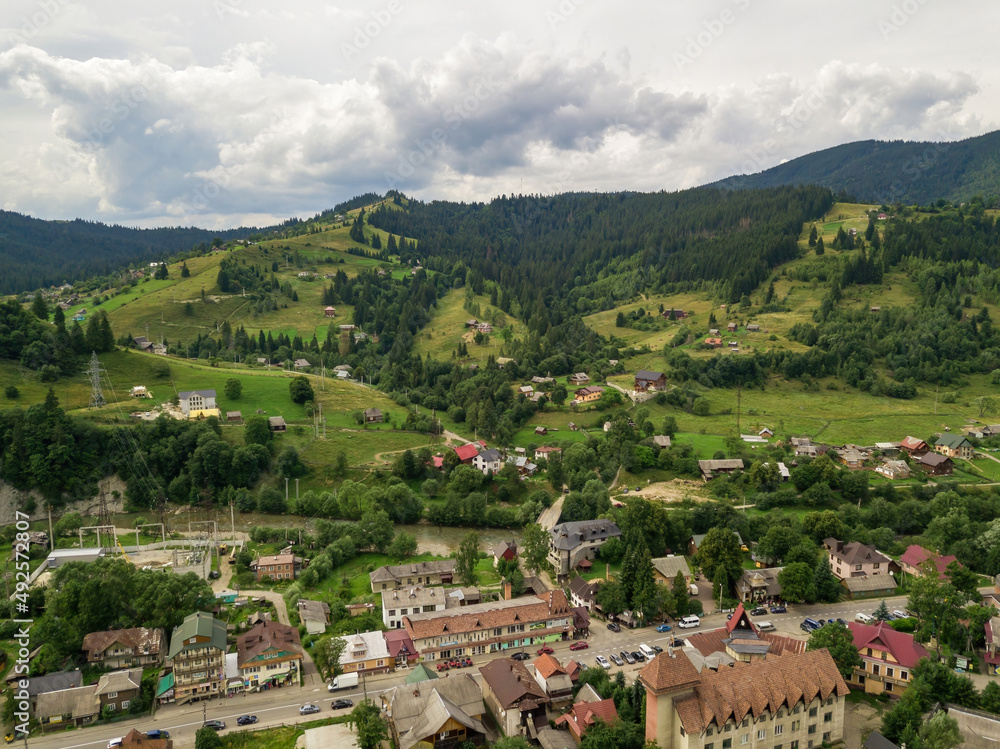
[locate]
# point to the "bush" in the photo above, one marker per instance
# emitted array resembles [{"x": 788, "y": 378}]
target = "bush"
[{"x": 12, "y": 393}]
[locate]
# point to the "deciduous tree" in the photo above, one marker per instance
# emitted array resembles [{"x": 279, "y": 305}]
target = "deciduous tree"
[{"x": 840, "y": 642}]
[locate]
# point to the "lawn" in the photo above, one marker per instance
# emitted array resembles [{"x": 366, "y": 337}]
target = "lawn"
[
  {"x": 282, "y": 737},
  {"x": 441, "y": 336},
  {"x": 987, "y": 469}
]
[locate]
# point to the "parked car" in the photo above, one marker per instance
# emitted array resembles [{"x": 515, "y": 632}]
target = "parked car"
[
  {"x": 158, "y": 733},
  {"x": 341, "y": 704},
  {"x": 805, "y": 628},
  {"x": 244, "y": 720},
  {"x": 841, "y": 622},
  {"x": 863, "y": 618},
  {"x": 214, "y": 575},
  {"x": 677, "y": 642},
  {"x": 443, "y": 666},
  {"x": 812, "y": 623},
  {"x": 778, "y": 609},
  {"x": 218, "y": 725},
  {"x": 602, "y": 662},
  {"x": 639, "y": 657},
  {"x": 900, "y": 614},
  {"x": 614, "y": 626},
  {"x": 308, "y": 709},
  {"x": 759, "y": 611},
  {"x": 545, "y": 649},
  {"x": 664, "y": 628},
  {"x": 520, "y": 656},
  {"x": 657, "y": 648},
  {"x": 579, "y": 646},
  {"x": 617, "y": 659},
  {"x": 466, "y": 662},
  {"x": 822, "y": 622},
  {"x": 627, "y": 657},
  {"x": 689, "y": 621}
]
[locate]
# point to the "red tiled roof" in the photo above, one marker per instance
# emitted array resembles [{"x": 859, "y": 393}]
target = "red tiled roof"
[
  {"x": 466, "y": 452},
  {"x": 714, "y": 641},
  {"x": 912, "y": 443},
  {"x": 584, "y": 714},
  {"x": 902, "y": 646},
  {"x": 546, "y": 665},
  {"x": 485, "y": 616},
  {"x": 573, "y": 670},
  {"x": 915, "y": 556},
  {"x": 669, "y": 672},
  {"x": 396, "y": 640}
]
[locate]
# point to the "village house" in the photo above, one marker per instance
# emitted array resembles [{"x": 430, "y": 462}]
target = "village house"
[
  {"x": 197, "y": 647},
  {"x": 694, "y": 543},
  {"x": 401, "y": 648},
  {"x": 124, "y": 648},
  {"x": 545, "y": 452},
  {"x": 491, "y": 627},
  {"x": 732, "y": 327},
  {"x": 916, "y": 558},
  {"x": 136, "y": 739},
  {"x": 467, "y": 452},
  {"x": 234, "y": 416},
  {"x": 302, "y": 364},
  {"x": 315, "y": 615},
  {"x": 648, "y": 380},
  {"x": 400, "y": 602},
  {"x": 537, "y": 380},
  {"x": 440, "y": 572},
  {"x": 713, "y": 342},
  {"x": 665, "y": 569},
  {"x": 504, "y": 551},
  {"x": 193, "y": 402},
  {"x": 503, "y": 361},
  {"x": 346, "y": 328},
  {"x": 855, "y": 559},
  {"x": 269, "y": 654},
  {"x": 588, "y": 394},
  {"x": 580, "y": 378},
  {"x": 992, "y": 655},
  {"x": 852, "y": 456},
  {"x": 276, "y": 567},
  {"x": 791, "y": 700},
  {"x": 553, "y": 680},
  {"x": 441, "y": 714},
  {"x": 888, "y": 658},
  {"x": 955, "y": 446},
  {"x": 662, "y": 441},
  {"x": 987, "y": 430},
  {"x": 894, "y": 469},
  {"x": 277, "y": 424},
  {"x": 330, "y": 311},
  {"x": 678, "y": 314},
  {"x": 914, "y": 447},
  {"x": 571, "y": 543},
  {"x": 712, "y": 468},
  {"x": 936, "y": 464},
  {"x": 488, "y": 461},
  {"x": 582, "y": 593},
  {"x": 366, "y": 652},
  {"x": 759, "y": 585},
  {"x": 585, "y": 713},
  {"x": 56, "y": 681},
  {"x": 514, "y": 697},
  {"x": 77, "y": 706},
  {"x": 373, "y": 416},
  {"x": 753, "y": 328},
  {"x": 117, "y": 690},
  {"x": 739, "y": 640}
]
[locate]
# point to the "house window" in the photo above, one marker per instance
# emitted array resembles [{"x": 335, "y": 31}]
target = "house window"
[
  {"x": 125, "y": 704},
  {"x": 888, "y": 686},
  {"x": 812, "y": 712},
  {"x": 761, "y": 734},
  {"x": 709, "y": 732},
  {"x": 829, "y": 700},
  {"x": 888, "y": 671},
  {"x": 392, "y": 612},
  {"x": 797, "y": 709},
  {"x": 727, "y": 743},
  {"x": 812, "y": 729},
  {"x": 709, "y": 745},
  {"x": 745, "y": 738},
  {"x": 875, "y": 566},
  {"x": 902, "y": 675},
  {"x": 778, "y": 730},
  {"x": 745, "y": 723},
  {"x": 826, "y": 736},
  {"x": 794, "y": 745},
  {"x": 112, "y": 695},
  {"x": 827, "y": 717},
  {"x": 795, "y": 725},
  {"x": 875, "y": 669}
]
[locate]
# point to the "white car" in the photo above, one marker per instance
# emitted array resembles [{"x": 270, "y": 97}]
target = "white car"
[
  {"x": 603, "y": 662},
  {"x": 900, "y": 614}
]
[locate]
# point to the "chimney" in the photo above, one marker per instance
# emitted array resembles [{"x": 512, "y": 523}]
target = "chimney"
[{"x": 508, "y": 590}]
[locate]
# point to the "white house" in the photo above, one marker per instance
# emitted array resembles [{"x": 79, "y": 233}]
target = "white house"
[
  {"x": 488, "y": 461},
  {"x": 196, "y": 400}
]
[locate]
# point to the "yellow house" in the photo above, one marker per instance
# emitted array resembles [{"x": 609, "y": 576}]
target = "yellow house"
[
  {"x": 366, "y": 652},
  {"x": 887, "y": 658},
  {"x": 589, "y": 394}
]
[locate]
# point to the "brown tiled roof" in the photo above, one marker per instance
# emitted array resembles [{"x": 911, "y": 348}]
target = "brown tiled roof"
[
  {"x": 584, "y": 714},
  {"x": 546, "y": 665},
  {"x": 265, "y": 636},
  {"x": 483, "y": 616},
  {"x": 763, "y": 686},
  {"x": 143, "y": 641},
  {"x": 854, "y": 552},
  {"x": 714, "y": 641},
  {"x": 668, "y": 671},
  {"x": 510, "y": 681}
]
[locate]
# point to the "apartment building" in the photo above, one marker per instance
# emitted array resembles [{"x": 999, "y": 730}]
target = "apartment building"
[
  {"x": 270, "y": 654},
  {"x": 855, "y": 559},
  {"x": 197, "y": 650},
  {"x": 571, "y": 543},
  {"x": 491, "y": 627},
  {"x": 793, "y": 701}
]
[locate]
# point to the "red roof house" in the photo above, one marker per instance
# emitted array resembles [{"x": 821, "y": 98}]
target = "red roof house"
[
  {"x": 887, "y": 658},
  {"x": 467, "y": 452},
  {"x": 584, "y": 714},
  {"x": 914, "y": 446},
  {"x": 914, "y": 557}
]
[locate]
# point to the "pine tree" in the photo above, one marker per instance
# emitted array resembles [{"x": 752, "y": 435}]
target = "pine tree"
[
  {"x": 882, "y": 612},
  {"x": 820, "y": 248},
  {"x": 39, "y": 308},
  {"x": 59, "y": 318},
  {"x": 376, "y": 241},
  {"x": 812, "y": 237},
  {"x": 185, "y": 272},
  {"x": 827, "y": 586}
]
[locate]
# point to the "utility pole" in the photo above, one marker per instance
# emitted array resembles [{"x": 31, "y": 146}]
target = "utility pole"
[
  {"x": 296, "y": 490},
  {"x": 286, "y": 491}
]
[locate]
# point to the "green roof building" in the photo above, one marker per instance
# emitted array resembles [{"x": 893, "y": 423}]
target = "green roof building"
[{"x": 197, "y": 653}]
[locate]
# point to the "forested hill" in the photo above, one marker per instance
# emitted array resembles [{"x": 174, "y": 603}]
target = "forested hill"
[
  {"x": 35, "y": 253},
  {"x": 892, "y": 171},
  {"x": 557, "y": 256}
]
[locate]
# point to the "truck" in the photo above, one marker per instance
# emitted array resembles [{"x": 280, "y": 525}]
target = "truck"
[
  {"x": 693, "y": 589},
  {"x": 344, "y": 681}
]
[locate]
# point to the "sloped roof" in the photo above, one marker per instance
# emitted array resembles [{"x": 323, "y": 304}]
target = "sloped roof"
[
  {"x": 855, "y": 552},
  {"x": 391, "y": 573},
  {"x": 120, "y": 681},
  {"x": 567, "y": 536},
  {"x": 488, "y": 615},
  {"x": 466, "y": 452},
  {"x": 668, "y": 671},
  {"x": 912, "y": 443},
  {"x": 902, "y": 646},
  {"x": 409, "y": 703},
  {"x": 199, "y": 624},
  {"x": 438, "y": 711},
  {"x": 934, "y": 459},
  {"x": 645, "y": 374},
  {"x": 265, "y": 636},
  {"x": 185, "y": 394},
  {"x": 670, "y": 566},
  {"x": 546, "y": 665},
  {"x": 54, "y": 682},
  {"x": 79, "y": 702},
  {"x": 954, "y": 441},
  {"x": 420, "y": 673},
  {"x": 917, "y": 555},
  {"x": 762, "y": 686},
  {"x": 584, "y": 714},
  {"x": 397, "y": 641},
  {"x": 511, "y": 682},
  {"x": 869, "y": 583}
]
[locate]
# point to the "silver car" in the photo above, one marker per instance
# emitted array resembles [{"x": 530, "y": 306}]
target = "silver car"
[
  {"x": 617, "y": 659},
  {"x": 603, "y": 662}
]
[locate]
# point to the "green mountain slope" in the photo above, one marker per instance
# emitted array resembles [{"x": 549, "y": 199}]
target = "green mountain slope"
[{"x": 892, "y": 171}]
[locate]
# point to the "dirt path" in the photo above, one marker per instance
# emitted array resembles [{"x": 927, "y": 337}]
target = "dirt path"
[{"x": 674, "y": 490}]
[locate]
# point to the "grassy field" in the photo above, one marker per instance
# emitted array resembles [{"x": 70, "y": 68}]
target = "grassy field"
[{"x": 441, "y": 336}]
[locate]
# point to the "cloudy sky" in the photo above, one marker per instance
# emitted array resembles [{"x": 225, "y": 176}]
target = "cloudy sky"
[{"x": 227, "y": 112}]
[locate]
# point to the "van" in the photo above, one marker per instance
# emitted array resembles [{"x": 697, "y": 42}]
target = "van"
[
  {"x": 688, "y": 622},
  {"x": 693, "y": 589},
  {"x": 647, "y": 651},
  {"x": 764, "y": 626},
  {"x": 863, "y": 618},
  {"x": 812, "y": 623},
  {"x": 344, "y": 681}
]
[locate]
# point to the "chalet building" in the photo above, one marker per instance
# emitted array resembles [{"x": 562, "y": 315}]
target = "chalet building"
[
  {"x": 269, "y": 654},
  {"x": 753, "y": 328},
  {"x": 582, "y": 593},
  {"x": 713, "y": 342},
  {"x": 488, "y": 461},
  {"x": 665, "y": 569},
  {"x": 302, "y": 364},
  {"x": 955, "y": 446},
  {"x": 580, "y": 378},
  {"x": 888, "y": 658},
  {"x": 914, "y": 447},
  {"x": 439, "y": 714},
  {"x": 936, "y": 464},
  {"x": 786, "y": 701},
  {"x": 467, "y": 452},
  {"x": 712, "y": 468},
  {"x": 193, "y": 401},
  {"x": 125, "y": 648},
  {"x": 571, "y": 543},
  {"x": 401, "y": 648},
  {"x": 588, "y": 394},
  {"x": 732, "y": 327},
  {"x": 916, "y": 560},
  {"x": 330, "y": 311},
  {"x": 759, "y": 585},
  {"x": 649, "y": 380},
  {"x": 516, "y": 700},
  {"x": 504, "y": 551},
  {"x": 197, "y": 647},
  {"x": 491, "y": 627},
  {"x": 855, "y": 559},
  {"x": 740, "y": 641},
  {"x": 441, "y": 572}
]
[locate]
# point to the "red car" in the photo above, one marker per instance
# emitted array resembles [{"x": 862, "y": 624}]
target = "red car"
[
  {"x": 545, "y": 649},
  {"x": 579, "y": 646}
]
